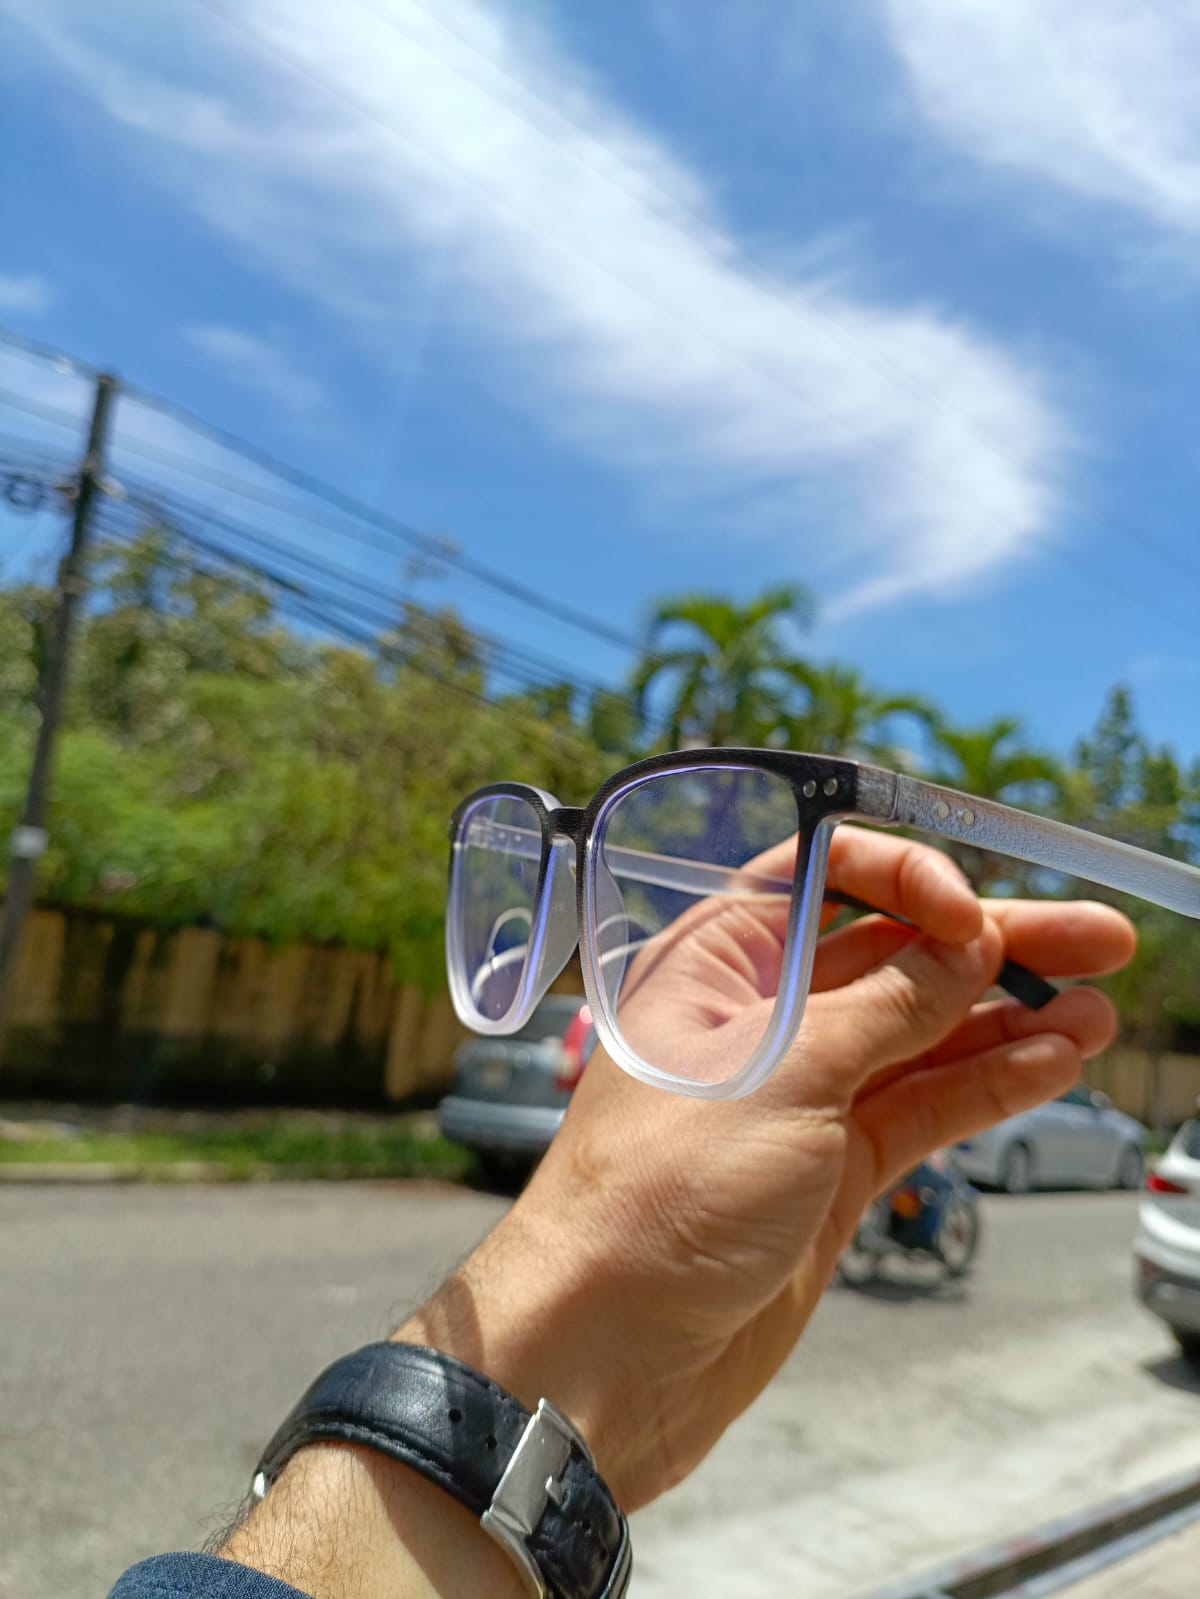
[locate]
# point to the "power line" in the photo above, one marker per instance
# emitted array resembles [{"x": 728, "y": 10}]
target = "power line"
[
  {"x": 58, "y": 415},
  {"x": 298, "y": 603},
  {"x": 348, "y": 505},
  {"x": 49, "y": 354},
  {"x": 151, "y": 501},
  {"x": 428, "y": 546},
  {"x": 303, "y": 515},
  {"x": 365, "y": 520},
  {"x": 504, "y": 657},
  {"x": 836, "y": 328},
  {"x": 366, "y": 605},
  {"x": 265, "y": 497}
]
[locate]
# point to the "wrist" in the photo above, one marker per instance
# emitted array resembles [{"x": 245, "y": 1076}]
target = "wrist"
[
  {"x": 529, "y": 1311},
  {"x": 343, "y": 1521}
]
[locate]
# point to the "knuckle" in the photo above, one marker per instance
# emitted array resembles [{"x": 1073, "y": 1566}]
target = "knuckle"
[{"x": 912, "y": 1003}]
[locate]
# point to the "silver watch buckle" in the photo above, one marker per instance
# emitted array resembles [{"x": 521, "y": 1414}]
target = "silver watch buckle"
[{"x": 529, "y": 1483}]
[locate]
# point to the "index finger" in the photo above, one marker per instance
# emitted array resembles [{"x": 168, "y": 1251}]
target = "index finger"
[
  {"x": 904, "y": 878},
  {"x": 895, "y": 875}
]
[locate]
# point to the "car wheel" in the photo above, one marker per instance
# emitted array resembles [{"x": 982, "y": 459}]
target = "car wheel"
[
  {"x": 1130, "y": 1168},
  {"x": 1189, "y": 1346},
  {"x": 958, "y": 1236},
  {"x": 1016, "y": 1173}
]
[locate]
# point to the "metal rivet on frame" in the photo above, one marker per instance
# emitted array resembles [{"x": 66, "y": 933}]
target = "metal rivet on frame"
[
  {"x": 831, "y": 786},
  {"x": 941, "y": 810},
  {"x": 967, "y": 818},
  {"x": 809, "y": 789}
]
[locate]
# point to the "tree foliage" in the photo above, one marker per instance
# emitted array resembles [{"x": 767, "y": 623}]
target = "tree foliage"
[
  {"x": 729, "y": 667},
  {"x": 221, "y": 764}
]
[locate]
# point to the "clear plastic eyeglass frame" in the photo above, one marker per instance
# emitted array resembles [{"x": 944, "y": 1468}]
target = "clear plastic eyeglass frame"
[{"x": 574, "y": 891}]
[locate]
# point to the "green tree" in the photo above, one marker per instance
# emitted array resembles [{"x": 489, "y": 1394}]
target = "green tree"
[
  {"x": 1123, "y": 787},
  {"x": 730, "y": 671},
  {"x": 163, "y": 616}
]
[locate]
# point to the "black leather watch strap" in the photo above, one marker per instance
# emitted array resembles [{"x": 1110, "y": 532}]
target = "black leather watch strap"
[{"x": 529, "y": 1477}]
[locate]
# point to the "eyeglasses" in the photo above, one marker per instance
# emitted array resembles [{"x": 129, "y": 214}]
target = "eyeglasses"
[{"x": 728, "y": 847}]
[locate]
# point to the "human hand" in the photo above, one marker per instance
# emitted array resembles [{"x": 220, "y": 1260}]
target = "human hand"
[{"x": 668, "y": 1253}]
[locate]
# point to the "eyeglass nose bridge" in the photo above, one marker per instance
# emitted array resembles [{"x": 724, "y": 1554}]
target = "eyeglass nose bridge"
[
  {"x": 568, "y": 822},
  {"x": 559, "y": 932}
]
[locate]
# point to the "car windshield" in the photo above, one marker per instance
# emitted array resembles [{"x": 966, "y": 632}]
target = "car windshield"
[{"x": 1187, "y": 1141}]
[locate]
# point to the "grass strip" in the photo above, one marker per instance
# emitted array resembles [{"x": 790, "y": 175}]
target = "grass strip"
[{"x": 282, "y": 1146}]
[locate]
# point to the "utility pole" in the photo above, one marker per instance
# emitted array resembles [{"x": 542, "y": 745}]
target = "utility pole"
[{"x": 29, "y": 837}]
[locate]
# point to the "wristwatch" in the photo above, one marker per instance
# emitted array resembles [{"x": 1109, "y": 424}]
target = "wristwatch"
[{"x": 529, "y": 1477}]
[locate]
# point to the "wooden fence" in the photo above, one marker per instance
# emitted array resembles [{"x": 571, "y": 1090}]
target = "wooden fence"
[
  {"x": 1161, "y": 1091},
  {"x": 109, "y": 1008}
]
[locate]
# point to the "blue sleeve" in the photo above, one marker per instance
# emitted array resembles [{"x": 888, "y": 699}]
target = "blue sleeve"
[{"x": 198, "y": 1577}]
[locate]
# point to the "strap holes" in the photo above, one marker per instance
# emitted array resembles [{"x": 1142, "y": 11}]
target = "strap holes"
[
  {"x": 455, "y": 1416},
  {"x": 490, "y": 1441}
]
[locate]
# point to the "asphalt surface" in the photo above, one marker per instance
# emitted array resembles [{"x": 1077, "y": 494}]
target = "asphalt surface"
[{"x": 151, "y": 1338}]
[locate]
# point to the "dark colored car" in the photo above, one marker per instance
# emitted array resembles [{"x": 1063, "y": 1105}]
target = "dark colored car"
[{"x": 510, "y": 1094}]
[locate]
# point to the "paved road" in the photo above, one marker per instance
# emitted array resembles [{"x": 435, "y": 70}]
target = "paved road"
[{"x": 150, "y": 1338}]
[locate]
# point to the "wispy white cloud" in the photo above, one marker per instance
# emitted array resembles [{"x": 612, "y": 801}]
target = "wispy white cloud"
[
  {"x": 256, "y": 364},
  {"x": 25, "y": 291},
  {"x": 470, "y": 148},
  {"x": 1098, "y": 97}
]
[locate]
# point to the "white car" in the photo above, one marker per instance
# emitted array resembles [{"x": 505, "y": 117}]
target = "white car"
[
  {"x": 1167, "y": 1247},
  {"x": 1075, "y": 1141}
]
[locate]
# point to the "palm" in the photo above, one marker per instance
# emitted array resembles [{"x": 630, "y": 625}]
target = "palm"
[{"x": 731, "y": 1213}]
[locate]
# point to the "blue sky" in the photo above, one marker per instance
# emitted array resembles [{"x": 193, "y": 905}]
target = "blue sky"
[{"x": 899, "y": 300}]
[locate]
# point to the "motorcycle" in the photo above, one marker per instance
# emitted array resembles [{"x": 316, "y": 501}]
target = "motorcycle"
[{"x": 932, "y": 1214}]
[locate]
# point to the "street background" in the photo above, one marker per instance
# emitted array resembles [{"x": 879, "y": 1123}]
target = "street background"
[{"x": 154, "y": 1336}]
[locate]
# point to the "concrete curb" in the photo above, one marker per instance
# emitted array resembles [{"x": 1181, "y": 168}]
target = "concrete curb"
[{"x": 1064, "y": 1552}]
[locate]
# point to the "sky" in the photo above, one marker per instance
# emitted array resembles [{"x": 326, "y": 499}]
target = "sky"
[{"x": 899, "y": 301}]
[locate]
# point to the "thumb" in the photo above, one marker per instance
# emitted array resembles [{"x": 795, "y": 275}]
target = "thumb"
[{"x": 911, "y": 1001}]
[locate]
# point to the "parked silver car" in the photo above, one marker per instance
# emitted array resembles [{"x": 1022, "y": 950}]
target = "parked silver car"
[
  {"x": 1075, "y": 1141},
  {"x": 1167, "y": 1248},
  {"x": 510, "y": 1093}
]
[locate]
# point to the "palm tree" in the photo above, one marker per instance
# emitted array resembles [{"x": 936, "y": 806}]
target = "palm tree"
[
  {"x": 845, "y": 716},
  {"x": 994, "y": 762},
  {"x": 731, "y": 672}
]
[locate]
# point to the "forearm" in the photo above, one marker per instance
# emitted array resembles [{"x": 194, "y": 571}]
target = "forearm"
[{"x": 342, "y": 1521}]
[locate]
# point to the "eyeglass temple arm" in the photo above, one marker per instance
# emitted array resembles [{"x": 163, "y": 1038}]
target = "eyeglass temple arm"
[{"x": 893, "y": 799}]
